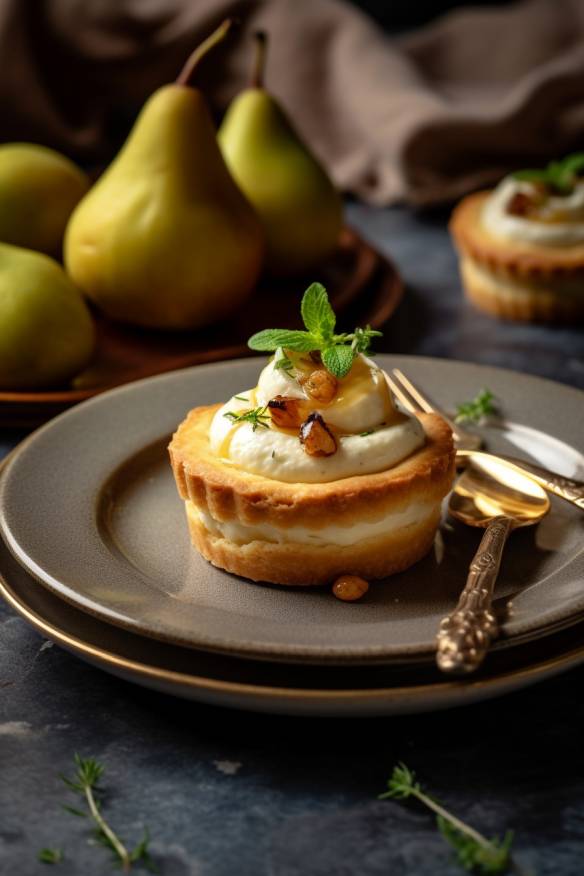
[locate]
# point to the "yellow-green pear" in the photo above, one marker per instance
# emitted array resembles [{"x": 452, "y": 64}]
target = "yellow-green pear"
[
  {"x": 38, "y": 190},
  {"x": 299, "y": 207},
  {"x": 165, "y": 238},
  {"x": 46, "y": 330}
]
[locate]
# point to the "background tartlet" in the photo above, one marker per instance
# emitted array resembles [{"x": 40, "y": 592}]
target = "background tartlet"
[{"x": 516, "y": 279}]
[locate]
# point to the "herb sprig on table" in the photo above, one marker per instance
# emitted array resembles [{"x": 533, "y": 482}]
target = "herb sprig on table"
[
  {"x": 50, "y": 856},
  {"x": 338, "y": 351},
  {"x": 473, "y": 851},
  {"x": 86, "y": 783},
  {"x": 559, "y": 176},
  {"x": 474, "y": 410}
]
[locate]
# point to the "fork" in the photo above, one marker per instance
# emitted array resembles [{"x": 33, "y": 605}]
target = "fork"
[{"x": 467, "y": 443}]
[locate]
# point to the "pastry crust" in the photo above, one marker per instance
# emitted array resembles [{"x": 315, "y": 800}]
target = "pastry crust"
[
  {"x": 508, "y": 299},
  {"x": 521, "y": 260},
  {"x": 306, "y": 565},
  {"x": 228, "y": 493},
  {"x": 516, "y": 280}
]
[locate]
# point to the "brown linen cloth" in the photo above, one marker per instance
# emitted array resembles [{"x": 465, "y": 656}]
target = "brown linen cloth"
[{"x": 423, "y": 118}]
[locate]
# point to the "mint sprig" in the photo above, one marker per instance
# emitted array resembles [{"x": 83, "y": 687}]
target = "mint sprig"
[
  {"x": 338, "y": 351},
  {"x": 560, "y": 176}
]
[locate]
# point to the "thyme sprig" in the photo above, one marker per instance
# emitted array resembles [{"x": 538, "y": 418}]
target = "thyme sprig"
[
  {"x": 474, "y": 410},
  {"x": 257, "y": 417},
  {"x": 338, "y": 351},
  {"x": 284, "y": 364},
  {"x": 86, "y": 783},
  {"x": 473, "y": 851},
  {"x": 50, "y": 856}
]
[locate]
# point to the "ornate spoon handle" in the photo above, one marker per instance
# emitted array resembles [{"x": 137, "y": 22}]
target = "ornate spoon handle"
[
  {"x": 464, "y": 635},
  {"x": 567, "y": 488}
]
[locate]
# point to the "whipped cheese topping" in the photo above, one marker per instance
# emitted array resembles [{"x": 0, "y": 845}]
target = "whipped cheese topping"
[
  {"x": 557, "y": 221},
  {"x": 371, "y": 434}
]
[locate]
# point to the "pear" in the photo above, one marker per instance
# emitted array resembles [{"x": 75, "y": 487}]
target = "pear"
[
  {"x": 299, "y": 207},
  {"x": 46, "y": 330},
  {"x": 38, "y": 190},
  {"x": 165, "y": 238}
]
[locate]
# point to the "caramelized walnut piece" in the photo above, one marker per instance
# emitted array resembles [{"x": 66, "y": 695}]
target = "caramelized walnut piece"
[
  {"x": 349, "y": 588},
  {"x": 320, "y": 385},
  {"x": 316, "y": 437},
  {"x": 520, "y": 204},
  {"x": 524, "y": 203},
  {"x": 287, "y": 413}
]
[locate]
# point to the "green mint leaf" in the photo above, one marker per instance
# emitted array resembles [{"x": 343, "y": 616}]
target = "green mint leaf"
[
  {"x": 567, "y": 171},
  {"x": 50, "y": 856},
  {"x": 270, "y": 339},
  {"x": 532, "y": 175},
  {"x": 317, "y": 313},
  {"x": 560, "y": 176},
  {"x": 338, "y": 360}
]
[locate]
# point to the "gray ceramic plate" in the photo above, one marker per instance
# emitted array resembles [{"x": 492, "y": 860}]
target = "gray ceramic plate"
[
  {"x": 274, "y": 687},
  {"x": 89, "y": 507}
]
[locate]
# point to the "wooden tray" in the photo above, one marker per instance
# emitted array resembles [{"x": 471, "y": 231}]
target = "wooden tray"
[{"x": 364, "y": 287}]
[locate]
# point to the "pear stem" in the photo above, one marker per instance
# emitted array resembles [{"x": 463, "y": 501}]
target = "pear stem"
[
  {"x": 259, "y": 67},
  {"x": 184, "y": 77}
]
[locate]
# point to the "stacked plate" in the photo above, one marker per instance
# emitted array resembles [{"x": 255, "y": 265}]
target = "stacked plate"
[{"x": 96, "y": 555}]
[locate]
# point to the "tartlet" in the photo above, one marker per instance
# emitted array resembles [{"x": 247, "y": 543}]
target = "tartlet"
[
  {"x": 351, "y": 486},
  {"x": 521, "y": 249},
  {"x": 218, "y": 495}
]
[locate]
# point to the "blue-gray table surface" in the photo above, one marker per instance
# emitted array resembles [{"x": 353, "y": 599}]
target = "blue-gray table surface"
[{"x": 229, "y": 793}]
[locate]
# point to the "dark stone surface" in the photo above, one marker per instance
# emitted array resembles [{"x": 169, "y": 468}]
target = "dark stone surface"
[{"x": 235, "y": 794}]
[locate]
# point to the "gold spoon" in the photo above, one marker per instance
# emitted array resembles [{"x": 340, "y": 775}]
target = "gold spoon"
[{"x": 495, "y": 495}]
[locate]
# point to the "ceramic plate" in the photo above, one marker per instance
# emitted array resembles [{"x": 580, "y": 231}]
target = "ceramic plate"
[
  {"x": 89, "y": 507},
  {"x": 275, "y": 688}
]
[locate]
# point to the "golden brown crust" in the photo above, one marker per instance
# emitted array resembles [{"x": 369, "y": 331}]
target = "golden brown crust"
[
  {"x": 301, "y": 565},
  {"x": 229, "y": 493},
  {"x": 530, "y": 261},
  {"x": 507, "y": 300}
]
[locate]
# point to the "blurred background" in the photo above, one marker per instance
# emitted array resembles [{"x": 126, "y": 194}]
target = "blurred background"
[
  {"x": 401, "y": 109},
  {"x": 415, "y": 101}
]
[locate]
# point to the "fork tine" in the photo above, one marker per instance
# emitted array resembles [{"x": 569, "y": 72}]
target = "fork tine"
[
  {"x": 413, "y": 391},
  {"x": 403, "y": 383},
  {"x": 409, "y": 404}
]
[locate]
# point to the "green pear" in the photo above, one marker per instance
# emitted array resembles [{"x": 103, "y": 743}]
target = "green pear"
[
  {"x": 46, "y": 330},
  {"x": 299, "y": 207},
  {"x": 38, "y": 190},
  {"x": 165, "y": 238}
]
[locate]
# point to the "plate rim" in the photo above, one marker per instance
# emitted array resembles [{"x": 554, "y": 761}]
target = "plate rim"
[
  {"x": 290, "y": 653},
  {"x": 108, "y": 660}
]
